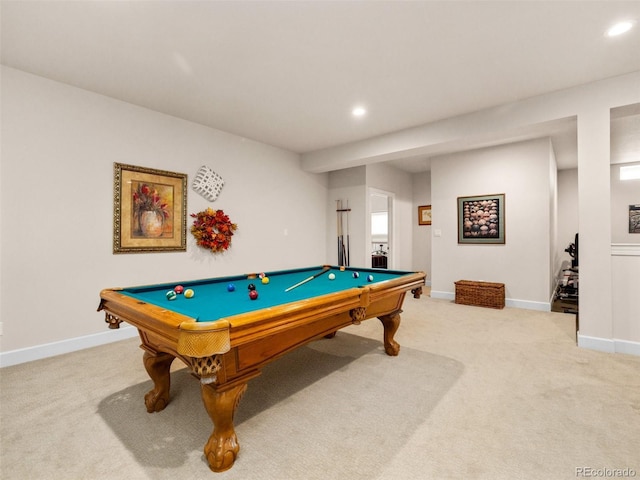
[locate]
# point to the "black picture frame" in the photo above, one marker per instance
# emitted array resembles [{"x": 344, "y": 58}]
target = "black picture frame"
[{"x": 481, "y": 219}]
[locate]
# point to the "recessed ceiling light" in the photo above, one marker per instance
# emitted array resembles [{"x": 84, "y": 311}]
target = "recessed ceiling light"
[
  {"x": 619, "y": 28},
  {"x": 358, "y": 111}
]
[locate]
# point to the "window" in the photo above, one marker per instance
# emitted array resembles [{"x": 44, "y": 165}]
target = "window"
[
  {"x": 379, "y": 223},
  {"x": 631, "y": 172}
]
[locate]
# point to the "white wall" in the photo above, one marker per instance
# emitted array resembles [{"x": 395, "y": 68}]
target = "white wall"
[
  {"x": 349, "y": 186},
  {"x": 422, "y": 233},
  {"x": 567, "y": 212},
  {"x": 623, "y": 194},
  {"x": 625, "y": 261},
  {"x": 554, "y": 259},
  {"x": 59, "y": 144},
  {"x": 521, "y": 172},
  {"x": 625, "y": 265}
]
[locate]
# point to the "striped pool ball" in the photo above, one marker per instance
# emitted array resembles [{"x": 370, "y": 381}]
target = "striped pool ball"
[
  {"x": 356, "y": 274},
  {"x": 370, "y": 278},
  {"x": 188, "y": 293},
  {"x": 171, "y": 295}
]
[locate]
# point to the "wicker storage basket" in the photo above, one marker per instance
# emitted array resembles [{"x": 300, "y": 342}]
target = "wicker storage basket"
[{"x": 481, "y": 294}]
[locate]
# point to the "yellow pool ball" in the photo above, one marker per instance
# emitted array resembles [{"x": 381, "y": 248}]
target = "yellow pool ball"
[
  {"x": 188, "y": 293},
  {"x": 265, "y": 280}
]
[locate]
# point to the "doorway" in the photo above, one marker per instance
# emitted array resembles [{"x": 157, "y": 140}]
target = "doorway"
[{"x": 380, "y": 238}]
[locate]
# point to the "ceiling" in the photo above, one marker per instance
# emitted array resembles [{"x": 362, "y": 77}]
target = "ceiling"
[{"x": 288, "y": 73}]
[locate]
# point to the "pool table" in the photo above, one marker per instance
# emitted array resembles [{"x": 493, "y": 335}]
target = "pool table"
[{"x": 226, "y": 338}]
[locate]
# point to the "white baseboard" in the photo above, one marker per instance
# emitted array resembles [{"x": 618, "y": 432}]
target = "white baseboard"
[
  {"x": 23, "y": 355},
  {"x": 509, "y": 302},
  {"x": 442, "y": 295},
  {"x": 528, "y": 304},
  {"x": 609, "y": 345}
]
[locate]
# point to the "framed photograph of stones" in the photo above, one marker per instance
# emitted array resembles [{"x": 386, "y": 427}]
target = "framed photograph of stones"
[
  {"x": 634, "y": 218},
  {"x": 481, "y": 219}
]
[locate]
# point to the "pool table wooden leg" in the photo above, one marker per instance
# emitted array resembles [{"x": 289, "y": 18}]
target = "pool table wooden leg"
[
  {"x": 222, "y": 447},
  {"x": 391, "y": 323},
  {"x": 158, "y": 365}
]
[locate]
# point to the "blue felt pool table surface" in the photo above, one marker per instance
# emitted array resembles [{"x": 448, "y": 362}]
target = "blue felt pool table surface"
[{"x": 212, "y": 300}]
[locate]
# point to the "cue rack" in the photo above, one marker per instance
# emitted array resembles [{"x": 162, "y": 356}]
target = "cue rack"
[{"x": 343, "y": 247}]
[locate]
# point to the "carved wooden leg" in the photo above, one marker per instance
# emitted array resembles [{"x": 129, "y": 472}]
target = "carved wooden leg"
[
  {"x": 158, "y": 365},
  {"x": 222, "y": 447},
  {"x": 391, "y": 324}
]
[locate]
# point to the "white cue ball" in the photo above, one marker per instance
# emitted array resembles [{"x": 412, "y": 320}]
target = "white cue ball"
[{"x": 332, "y": 276}]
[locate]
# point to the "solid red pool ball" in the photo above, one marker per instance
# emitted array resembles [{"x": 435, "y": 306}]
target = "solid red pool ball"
[
  {"x": 253, "y": 294},
  {"x": 179, "y": 289}
]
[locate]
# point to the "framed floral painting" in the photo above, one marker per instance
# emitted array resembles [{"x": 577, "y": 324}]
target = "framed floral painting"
[
  {"x": 481, "y": 219},
  {"x": 149, "y": 210}
]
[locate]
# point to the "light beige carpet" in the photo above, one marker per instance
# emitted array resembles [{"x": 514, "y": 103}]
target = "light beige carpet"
[{"x": 475, "y": 394}]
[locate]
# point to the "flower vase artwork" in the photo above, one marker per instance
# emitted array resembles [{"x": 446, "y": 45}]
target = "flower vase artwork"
[{"x": 150, "y": 209}]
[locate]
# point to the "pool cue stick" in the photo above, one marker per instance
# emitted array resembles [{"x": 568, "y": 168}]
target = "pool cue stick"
[
  {"x": 340, "y": 234},
  {"x": 308, "y": 279},
  {"x": 348, "y": 253},
  {"x": 338, "y": 227}
]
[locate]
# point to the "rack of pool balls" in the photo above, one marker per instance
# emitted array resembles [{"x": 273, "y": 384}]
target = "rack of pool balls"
[{"x": 180, "y": 290}]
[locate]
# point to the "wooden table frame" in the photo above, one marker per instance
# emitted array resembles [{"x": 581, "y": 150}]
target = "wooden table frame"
[{"x": 225, "y": 354}]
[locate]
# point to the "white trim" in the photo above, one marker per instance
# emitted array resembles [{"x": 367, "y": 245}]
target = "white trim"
[
  {"x": 23, "y": 355},
  {"x": 609, "y": 345},
  {"x": 442, "y": 295},
  {"x": 509, "y": 302},
  {"x": 528, "y": 304},
  {"x": 626, "y": 249}
]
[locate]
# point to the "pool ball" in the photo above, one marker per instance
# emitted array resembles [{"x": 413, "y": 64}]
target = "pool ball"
[
  {"x": 188, "y": 293},
  {"x": 265, "y": 280},
  {"x": 261, "y": 275},
  {"x": 342, "y": 269},
  {"x": 178, "y": 289},
  {"x": 332, "y": 276},
  {"x": 253, "y": 294},
  {"x": 231, "y": 287},
  {"x": 171, "y": 295},
  {"x": 356, "y": 274},
  {"x": 370, "y": 278},
  {"x": 251, "y": 286}
]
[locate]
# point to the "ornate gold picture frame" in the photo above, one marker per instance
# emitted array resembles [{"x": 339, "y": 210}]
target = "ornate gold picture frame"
[{"x": 149, "y": 210}]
